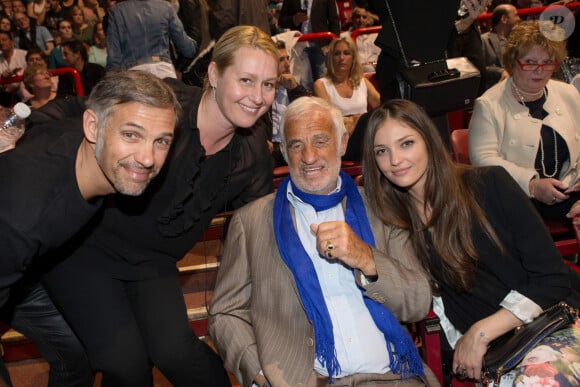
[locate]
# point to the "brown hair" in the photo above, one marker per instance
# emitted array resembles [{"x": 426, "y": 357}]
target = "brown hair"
[
  {"x": 355, "y": 73},
  {"x": 523, "y": 37},
  {"x": 30, "y": 72},
  {"x": 454, "y": 208}
]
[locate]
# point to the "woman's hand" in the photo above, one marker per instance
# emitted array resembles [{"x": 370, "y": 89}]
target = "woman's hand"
[
  {"x": 472, "y": 346},
  {"x": 469, "y": 352},
  {"x": 548, "y": 190}
]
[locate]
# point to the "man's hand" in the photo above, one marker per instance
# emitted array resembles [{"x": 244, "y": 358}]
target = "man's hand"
[
  {"x": 336, "y": 240},
  {"x": 288, "y": 81}
]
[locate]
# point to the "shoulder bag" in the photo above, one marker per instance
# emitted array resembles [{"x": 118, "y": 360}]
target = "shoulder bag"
[{"x": 508, "y": 350}]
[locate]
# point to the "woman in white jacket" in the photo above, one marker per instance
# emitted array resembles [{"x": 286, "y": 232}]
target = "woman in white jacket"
[{"x": 530, "y": 124}]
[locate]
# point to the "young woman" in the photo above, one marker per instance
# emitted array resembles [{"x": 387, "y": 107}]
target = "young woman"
[{"x": 492, "y": 263}]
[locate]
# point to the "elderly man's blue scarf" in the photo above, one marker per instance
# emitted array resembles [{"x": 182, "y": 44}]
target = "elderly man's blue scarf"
[{"x": 403, "y": 355}]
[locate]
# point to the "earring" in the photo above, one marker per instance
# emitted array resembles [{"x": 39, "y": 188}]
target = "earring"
[{"x": 213, "y": 88}]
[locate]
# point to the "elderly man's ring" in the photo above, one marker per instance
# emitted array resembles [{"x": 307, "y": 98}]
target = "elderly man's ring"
[
  {"x": 553, "y": 200},
  {"x": 461, "y": 372},
  {"x": 329, "y": 245}
]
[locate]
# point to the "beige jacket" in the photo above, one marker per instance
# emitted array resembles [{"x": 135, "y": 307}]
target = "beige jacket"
[{"x": 257, "y": 321}]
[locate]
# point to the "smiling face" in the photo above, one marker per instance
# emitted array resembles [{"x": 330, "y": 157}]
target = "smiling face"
[
  {"x": 133, "y": 145},
  {"x": 533, "y": 81},
  {"x": 245, "y": 90},
  {"x": 401, "y": 155},
  {"x": 314, "y": 152}
]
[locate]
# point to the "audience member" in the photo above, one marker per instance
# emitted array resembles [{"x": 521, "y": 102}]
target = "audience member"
[
  {"x": 344, "y": 85},
  {"x": 98, "y": 50},
  {"x": 34, "y": 56},
  {"x": 527, "y": 123},
  {"x": 7, "y": 25},
  {"x": 68, "y": 6},
  {"x": 368, "y": 52},
  {"x": 139, "y": 36},
  {"x": 70, "y": 168},
  {"x": 288, "y": 90},
  {"x": 7, "y": 8},
  {"x": 36, "y": 10},
  {"x": 75, "y": 55},
  {"x": 32, "y": 36},
  {"x": 504, "y": 18},
  {"x": 11, "y": 61},
  {"x": 93, "y": 12},
  {"x": 493, "y": 265},
  {"x": 53, "y": 15},
  {"x": 18, "y": 7},
  {"x": 38, "y": 82},
  {"x": 309, "y": 17},
  {"x": 82, "y": 31},
  {"x": 65, "y": 34},
  {"x": 221, "y": 161},
  {"x": 326, "y": 311},
  {"x": 224, "y": 14}
]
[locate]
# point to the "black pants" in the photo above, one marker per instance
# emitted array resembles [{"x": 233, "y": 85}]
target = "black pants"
[
  {"x": 31, "y": 312},
  {"x": 129, "y": 326}
]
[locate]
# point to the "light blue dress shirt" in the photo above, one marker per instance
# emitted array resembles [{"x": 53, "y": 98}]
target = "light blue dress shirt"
[{"x": 360, "y": 345}]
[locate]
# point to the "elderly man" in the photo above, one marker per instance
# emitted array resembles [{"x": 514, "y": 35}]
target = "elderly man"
[
  {"x": 50, "y": 187},
  {"x": 310, "y": 289}
]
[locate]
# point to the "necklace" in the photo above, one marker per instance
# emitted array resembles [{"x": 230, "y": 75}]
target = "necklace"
[{"x": 523, "y": 103}]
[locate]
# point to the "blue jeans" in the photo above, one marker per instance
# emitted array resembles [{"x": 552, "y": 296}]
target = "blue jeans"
[{"x": 31, "y": 312}]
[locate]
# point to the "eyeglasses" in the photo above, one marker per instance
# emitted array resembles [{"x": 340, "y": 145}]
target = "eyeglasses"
[{"x": 550, "y": 66}]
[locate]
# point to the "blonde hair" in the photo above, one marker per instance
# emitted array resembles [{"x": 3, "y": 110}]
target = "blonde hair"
[
  {"x": 355, "y": 73},
  {"x": 238, "y": 37}
]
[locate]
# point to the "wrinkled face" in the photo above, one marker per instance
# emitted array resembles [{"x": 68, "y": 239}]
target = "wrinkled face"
[
  {"x": 22, "y": 21},
  {"x": 313, "y": 151},
  {"x": 41, "y": 80},
  {"x": 533, "y": 81},
  {"x": 401, "y": 155},
  {"x": 246, "y": 89},
  {"x": 70, "y": 57},
  {"x": 133, "y": 145},
  {"x": 5, "y": 24},
  {"x": 65, "y": 30},
  {"x": 6, "y": 44},
  {"x": 360, "y": 19},
  {"x": 284, "y": 64},
  {"x": 342, "y": 57}
]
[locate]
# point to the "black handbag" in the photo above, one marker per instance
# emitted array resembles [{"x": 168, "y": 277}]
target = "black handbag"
[
  {"x": 508, "y": 350},
  {"x": 440, "y": 86}
]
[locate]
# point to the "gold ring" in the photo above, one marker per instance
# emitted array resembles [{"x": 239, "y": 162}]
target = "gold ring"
[
  {"x": 461, "y": 372},
  {"x": 329, "y": 245}
]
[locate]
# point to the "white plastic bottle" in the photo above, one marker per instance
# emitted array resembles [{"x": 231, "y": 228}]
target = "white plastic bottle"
[{"x": 12, "y": 125}]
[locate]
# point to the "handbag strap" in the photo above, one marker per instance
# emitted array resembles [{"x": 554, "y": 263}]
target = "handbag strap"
[{"x": 397, "y": 34}]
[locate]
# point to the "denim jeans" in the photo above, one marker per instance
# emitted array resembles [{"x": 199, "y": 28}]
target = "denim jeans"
[{"x": 31, "y": 312}]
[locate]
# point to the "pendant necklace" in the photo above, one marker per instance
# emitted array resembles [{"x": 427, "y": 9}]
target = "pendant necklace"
[{"x": 523, "y": 103}]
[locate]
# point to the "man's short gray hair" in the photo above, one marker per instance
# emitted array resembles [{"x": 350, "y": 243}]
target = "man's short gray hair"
[
  {"x": 301, "y": 106},
  {"x": 119, "y": 87}
]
